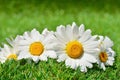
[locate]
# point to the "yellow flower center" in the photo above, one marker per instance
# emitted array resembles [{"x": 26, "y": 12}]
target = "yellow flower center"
[
  {"x": 103, "y": 56},
  {"x": 36, "y": 48},
  {"x": 12, "y": 56},
  {"x": 74, "y": 49}
]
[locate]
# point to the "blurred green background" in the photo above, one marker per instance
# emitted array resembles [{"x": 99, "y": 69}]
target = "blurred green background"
[{"x": 18, "y": 16}]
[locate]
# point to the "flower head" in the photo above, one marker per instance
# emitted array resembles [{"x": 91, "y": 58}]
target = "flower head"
[
  {"x": 37, "y": 46},
  {"x": 10, "y": 52},
  {"x": 76, "y": 46},
  {"x": 106, "y": 54}
]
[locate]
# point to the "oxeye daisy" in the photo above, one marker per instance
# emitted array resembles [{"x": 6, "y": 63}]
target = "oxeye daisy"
[
  {"x": 76, "y": 46},
  {"x": 10, "y": 52},
  {"x": 37, "y": 46},
  {"x": 106, "y": 54}
]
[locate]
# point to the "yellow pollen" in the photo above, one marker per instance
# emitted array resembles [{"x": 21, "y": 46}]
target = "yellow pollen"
[
  {"x": 103, "y": 56},
  {"x": 74, "y": 49},
  {"x": 36, "y": 48},
  {"x": 12, "y": 56}
]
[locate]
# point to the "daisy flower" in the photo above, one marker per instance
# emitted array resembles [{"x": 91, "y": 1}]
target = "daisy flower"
[
  {"x": 10, "y": 52},
  {"x": 37, "y": 46},
  {"x": 76, "y": 46},
  {"x": 106, "y": 54}
]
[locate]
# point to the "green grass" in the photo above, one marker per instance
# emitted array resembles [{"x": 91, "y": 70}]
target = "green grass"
[{"x": 18, "y": 16}]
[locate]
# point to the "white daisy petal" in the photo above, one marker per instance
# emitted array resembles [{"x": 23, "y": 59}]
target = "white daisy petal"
[
  {"x": 108, "y": 43},
  {"x": 92, "y": 51},
  {"x": 89, "y": 58},
  {"x": 43, "y": 58},
  {"x": 81, "y": 30},
  {"x": 92, "y": 41},
  {"x": 26, "y": 35},
  {"x": 70, "y": 63},
  {"x": 101, "y": 38},
  {"x": 50, "y": 53},
  {"x": 24, "y": 54},
  {"x": 35, "y": 35},
  {"x": 87, "y": 64},
  {"x": 111, "y": 58},
  {"x": 92, "y": 44},
  {"x": 7, "y": 49},
  {"x": 24, "y": 42},
  {"x": 62, "y": 57},
  {"x": 23, "y": 47},
  {"x": 49, "y": 39},
  {"x": 34, "y": 31},
  {"x": 111, "y": 52},
  {"x": 75, "y": 31},
  {"x": 83, "y": 69},
  {"x": 35, "y": 58},
  {"x": 51, "y": 46},
  {"x": 103, "y": 66},
  {"x": 93, "y": 38},
  {"x": 2, "y": 61},
  {"x": 45, "y": 32},
  {"x": 69, "y": 32},
  {"x": 61, "y": 32},
  {"x": 2, "y": 58},
  {"x": 86, "y": 36},
  {"x": 109, "y": 62}
]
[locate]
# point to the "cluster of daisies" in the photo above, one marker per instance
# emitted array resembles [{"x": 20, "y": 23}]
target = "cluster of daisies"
[{"x": 72, "y": 44}]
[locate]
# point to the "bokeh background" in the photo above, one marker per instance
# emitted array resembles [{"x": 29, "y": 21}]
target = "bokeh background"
[{"x": 18, "y": 16}]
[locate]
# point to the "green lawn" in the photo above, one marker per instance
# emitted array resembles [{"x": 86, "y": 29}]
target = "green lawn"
[{"x": 18, "y": 16}]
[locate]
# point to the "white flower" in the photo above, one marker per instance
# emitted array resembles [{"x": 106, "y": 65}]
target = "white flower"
[
  {"x": 106, "y": 54},
  {"x": 76, "y": 46},
  {"x": 10, "y": 52},
  {"x": 37, "y": 46}
]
